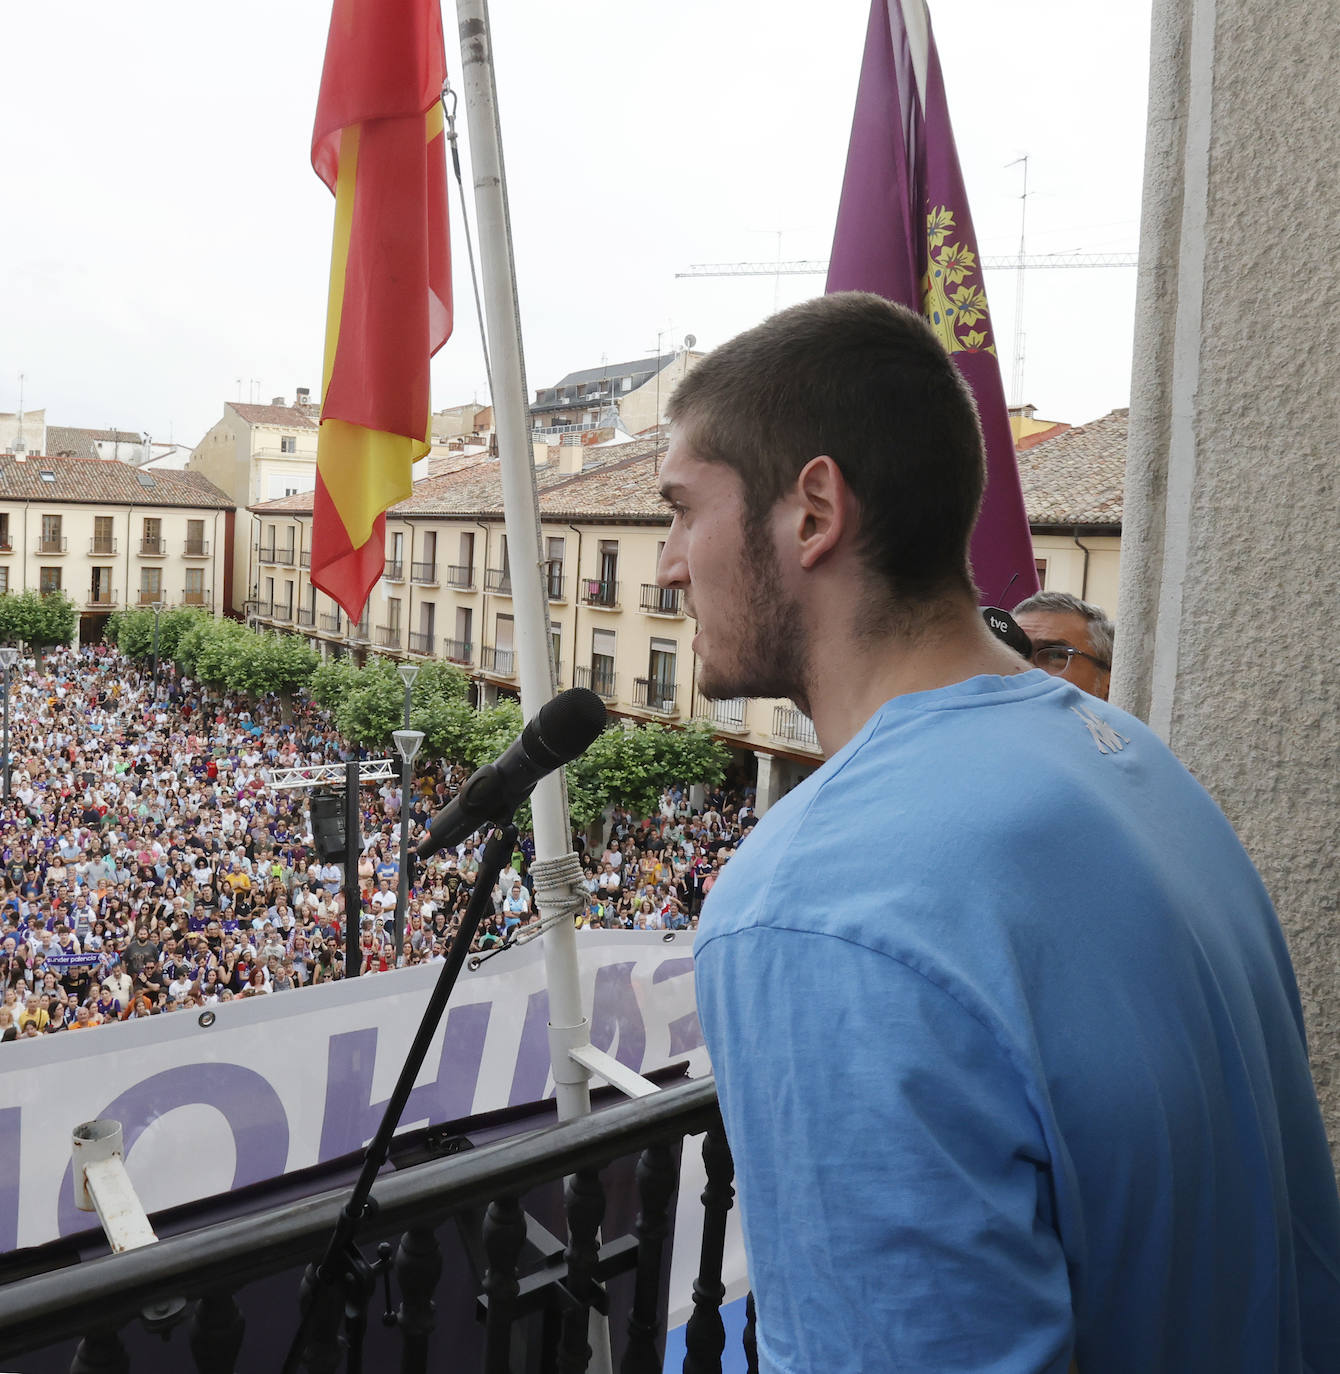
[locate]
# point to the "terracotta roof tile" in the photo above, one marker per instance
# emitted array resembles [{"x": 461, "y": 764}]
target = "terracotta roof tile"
[
  {"x": 292, "y": 417},
  {"x": 1077, "y": 477},
  {"x": 104, "y": 481},
  {"x": 70, "y": 442},
  {"x": 1041, "y": 436}
]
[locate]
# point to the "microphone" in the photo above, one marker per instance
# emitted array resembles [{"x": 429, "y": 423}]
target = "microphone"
[{"x": 562, "y": 729}]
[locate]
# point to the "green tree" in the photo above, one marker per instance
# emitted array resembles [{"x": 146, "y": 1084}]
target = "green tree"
[
  {"x": 331, "y": 681},
  {"x": 373, "y": 706},
  {"x": 135, "y": 632},
  {"x": 448, "y": 725},
  {"x": 264, "y": 663},
  {"x": 438, "y": 679},
  {"x": 211, "y": 648},
  {"x": 39, "y": 621}
]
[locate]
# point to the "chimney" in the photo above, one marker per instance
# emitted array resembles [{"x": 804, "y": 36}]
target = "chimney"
[{"x": 278, "y": 401}]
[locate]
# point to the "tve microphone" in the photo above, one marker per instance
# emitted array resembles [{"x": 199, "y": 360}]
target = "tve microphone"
[{"x": 561, "y": 730}]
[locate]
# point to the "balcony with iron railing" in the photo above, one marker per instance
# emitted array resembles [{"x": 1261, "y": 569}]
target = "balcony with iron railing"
[
  {"x": 458, "y": 650},
  {"x": 330, "y": 623},
  {"x": 360, "y": 633},
  {"x": 730, "y": 715},
  {"x": 598, "y": 680},
  {"x": 306, "y": 616},
  {"x": 100, "y": 599},
  {"x": 461, "y": 576},
  {"x": 196, "y": 596},
  {"x": 499, "y": 662},
  {"x": 498, "y": 580},
  {"x": 265, "y": 553},
  {"x": 149, "y": 595},
  {"x": 6, "y": 543},
  {"x": 425, "y": 574},
  {"x": 420, "y": 643},
  {"x": 103, "y": 548},
  {"x": 601, "y": 592},
  {"x": 263, "y": 609},
  {"x": 555, "y": 583},
  {"x": 388, "y": 636},
  {"x": 661, "y": 600},
  {"x": 56, "y": 544},
  {"x": 655, "y": 694},
  {"x": 459, "y": 1248},
  {"x": 195, "y": 548},
  {"x": 153, "y": 548},
  {"x": 305, "y": 558},
  {"x": 790, "y": 726},
  {"x": 286, "y": 557},
  {"x": 394, "y": 571},
  {"x": 283, "y": 611}
]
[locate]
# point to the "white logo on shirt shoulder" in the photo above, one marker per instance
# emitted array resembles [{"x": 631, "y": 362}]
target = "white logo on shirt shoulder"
[{"x": 1105, "y": 735}]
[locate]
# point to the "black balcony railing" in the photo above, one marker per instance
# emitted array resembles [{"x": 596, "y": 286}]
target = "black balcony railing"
[
  {"x": 420, "y": 643},
  {"x": 263, "y": 609},
  {"x": 6, "y": 543},
  {"x": 460, "y": 575},
  {"x": 287, "y": 556},
  {"x": 793, "y": 727},
  {"x": 394, "y": 570},
  {"x": 98, "y": 598},
  {"x": 306, "y": 616},
  {"x": 226, "y": 1295},
  {"x": 266, "y": 553},
  {"x": 498, "y": 580},
  {"x": 730, "y": 714},
  {"x": 555, "y": 584},
  {"x": 359, "y": 633},
  {"x": 56, "y": 544},
  {"x": 458, "y": 650},
  {"x": 331, "y": 622},
  {"x": 662, "y": 600},
  {"x": 599, "y": 680},
  {"x": 282, "y": 611},
  {"x": 196, "y": 548},
  {"x": 423, "y": 573},
  {"x": 598, "y": 591},
  {"x": 388, "y": 636},
  {"x": 502, "y": 662},
  {"x": 105, "y": 548},
  {"x": 195, "y": 596},
  {"x": 153, "y": 548},
  {"x": 654, "y": 694},
  {"x": 305, "y": 558},
  {"x": 149, "y": 595}
]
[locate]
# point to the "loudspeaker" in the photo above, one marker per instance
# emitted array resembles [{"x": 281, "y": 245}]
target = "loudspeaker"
[{"x": 328, "y": 829}]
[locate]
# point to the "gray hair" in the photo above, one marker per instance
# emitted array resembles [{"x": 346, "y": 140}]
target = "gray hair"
[{"x": 1101, "y": 630}]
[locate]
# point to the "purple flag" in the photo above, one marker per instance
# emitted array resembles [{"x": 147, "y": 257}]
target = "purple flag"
[{"x": 904, "y": 232}]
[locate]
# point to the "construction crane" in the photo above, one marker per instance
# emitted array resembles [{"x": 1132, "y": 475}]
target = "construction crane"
[{"x": 815, "y": 268}]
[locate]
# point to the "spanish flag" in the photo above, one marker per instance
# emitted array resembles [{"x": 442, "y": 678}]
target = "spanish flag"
[{"x": 378, "y": 144}]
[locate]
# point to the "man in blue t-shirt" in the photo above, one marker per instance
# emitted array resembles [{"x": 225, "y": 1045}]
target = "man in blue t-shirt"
[{"x": 1031, "y": 1092}]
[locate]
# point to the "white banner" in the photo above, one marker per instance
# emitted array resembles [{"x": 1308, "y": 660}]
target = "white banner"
[{"x": 285, "y": 1081}]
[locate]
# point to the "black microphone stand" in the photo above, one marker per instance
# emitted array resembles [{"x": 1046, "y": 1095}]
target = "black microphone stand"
[{"x": 343, "y": 1273}]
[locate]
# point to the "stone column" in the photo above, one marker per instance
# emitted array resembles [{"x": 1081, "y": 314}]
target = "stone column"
[
  {"x": 1229, "y": 591},
  {"x": 769, "y": 781}
]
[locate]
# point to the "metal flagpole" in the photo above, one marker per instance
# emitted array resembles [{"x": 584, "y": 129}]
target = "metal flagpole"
[{"x": 568, "y": 1027}]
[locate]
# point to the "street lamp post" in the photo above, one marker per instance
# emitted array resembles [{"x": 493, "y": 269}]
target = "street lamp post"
[
  {"x": 158, "y": 610},
  {"x": 8, "y": 657},
  {"x": 407, "y": 744}
]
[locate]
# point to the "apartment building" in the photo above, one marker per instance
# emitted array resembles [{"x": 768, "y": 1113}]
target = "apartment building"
[
  {"x": 631, "y": 396},
  {"x": 446, "y": 589},
  {"x": 112, "y": 535}
]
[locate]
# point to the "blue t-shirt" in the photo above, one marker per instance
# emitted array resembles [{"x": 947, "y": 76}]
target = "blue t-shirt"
[{"x": 1011, "y": 1059}]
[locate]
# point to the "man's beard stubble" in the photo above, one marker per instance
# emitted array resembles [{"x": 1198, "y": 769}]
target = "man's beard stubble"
[{"x": 771, "y": 656}]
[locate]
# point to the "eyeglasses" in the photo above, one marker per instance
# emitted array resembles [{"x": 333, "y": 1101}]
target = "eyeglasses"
[{"x": 1055, "y": 659}]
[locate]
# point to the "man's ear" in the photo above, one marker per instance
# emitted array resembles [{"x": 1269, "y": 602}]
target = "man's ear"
[{"x": 821, "y": 501}]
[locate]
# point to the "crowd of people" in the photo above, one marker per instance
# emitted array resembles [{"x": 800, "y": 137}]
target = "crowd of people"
[{"x": 150, "y": 867}]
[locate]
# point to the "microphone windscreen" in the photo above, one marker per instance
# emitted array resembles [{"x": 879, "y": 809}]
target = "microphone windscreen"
[{"x": 565, "y": 726}]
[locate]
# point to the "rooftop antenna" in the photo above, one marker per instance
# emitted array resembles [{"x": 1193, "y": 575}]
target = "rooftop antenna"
[{"x": 1017, "y": 378}]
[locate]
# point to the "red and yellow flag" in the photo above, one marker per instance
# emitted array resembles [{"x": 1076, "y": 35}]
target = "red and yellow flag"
[{"x": 378, "y": 144}]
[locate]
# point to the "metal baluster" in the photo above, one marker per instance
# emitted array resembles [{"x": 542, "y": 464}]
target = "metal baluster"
[
  {"x": 705, "y": 1334},
  {"x": 324, "y": 1350},
  {"x": 360, "y": 1283},
  {"x": 584, "y": 1201},
  {"x": 655, "y": 1187},
  {"x": 504, "y": 1235},
  {"x": 750, "y": 1335},
  {"x": 418, "y": 1267},
  {"x": 101, "y": 1352},
  {"x": 215, "y": 1334}
]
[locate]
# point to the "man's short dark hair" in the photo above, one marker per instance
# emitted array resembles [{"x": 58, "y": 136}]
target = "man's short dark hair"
[{"x": 867, "y": 383}]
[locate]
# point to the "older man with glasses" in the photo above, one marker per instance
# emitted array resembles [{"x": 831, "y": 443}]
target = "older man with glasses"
[{"x": 1071, "y": 639}]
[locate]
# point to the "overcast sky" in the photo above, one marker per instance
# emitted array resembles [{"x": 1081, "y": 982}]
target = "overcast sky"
[{"x": 166, "y": 244}]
